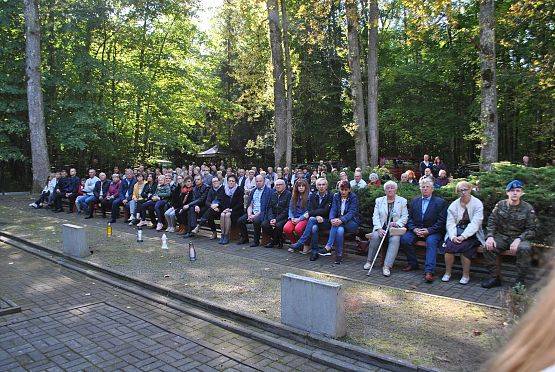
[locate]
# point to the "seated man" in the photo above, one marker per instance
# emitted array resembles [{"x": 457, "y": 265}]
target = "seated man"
[
  {"x": 197, "y": 206},
  {"x": 67, "y": 188},
  {"x": 83, "y": 201},
  {"x": 358, "y": 182},
  {"x": 319, "y": 205},
  {"x": 276, "y": 217},
  {"x": 426, "y": 221},
  {"x": 511, "y": 226},
  {"x": 257, "y": 207},
  {"x": 99, "y": 193},
  {"x": 125, "y": 193}
]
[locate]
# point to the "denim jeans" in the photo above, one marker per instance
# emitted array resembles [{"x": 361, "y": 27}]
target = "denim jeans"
[
  {"x": 83, "y": 201},
  {"x": 311, "y": 231},
  {"x": 170, "y": 217},
  {"x": 337, "y": 235},
  {"x": 432, "y": 245}
]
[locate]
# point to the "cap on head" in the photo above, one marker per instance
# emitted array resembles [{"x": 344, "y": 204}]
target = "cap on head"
[{"x": 514, "y": 184}]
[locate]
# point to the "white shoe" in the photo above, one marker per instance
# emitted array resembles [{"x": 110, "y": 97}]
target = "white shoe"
[
  {"x": 172, "y": 229},
  {"x": 131, "y": 223},
  {"x": 169, "y": 229},
  {"x": 33, "y": 205},
  {"x": 130, "y": 219},
  {"x": 446, "y": 278},
  {"x": 464, "y": 280},
  {"x": 195, "y": 230},
  {"x": 142, "y": 223},
  {"x": 386, "y": 271},
  {"x": 159, "y": 226},
  {"x": 367, "y": 266},
  {"x": 291, "y": 250}
]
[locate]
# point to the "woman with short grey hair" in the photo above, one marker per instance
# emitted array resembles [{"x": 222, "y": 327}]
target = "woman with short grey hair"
[{"x": 389, "y": 211}]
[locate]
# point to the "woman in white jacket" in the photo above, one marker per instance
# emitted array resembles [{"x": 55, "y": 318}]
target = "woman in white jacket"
[
  {"x": 464, "y": 230},
  {"x": 391, "y": 209}
]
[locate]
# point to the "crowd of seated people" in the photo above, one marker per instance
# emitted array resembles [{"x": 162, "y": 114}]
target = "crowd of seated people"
[{"x": 298, "y": 206}]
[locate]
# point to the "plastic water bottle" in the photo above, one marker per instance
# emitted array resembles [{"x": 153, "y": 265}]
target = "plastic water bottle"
[
  {"x": 109, "y": 230},
  {"x": 139, "y": 234},
  {"x": 164, "y": 241},
  {"x": 192, "y": 252}
]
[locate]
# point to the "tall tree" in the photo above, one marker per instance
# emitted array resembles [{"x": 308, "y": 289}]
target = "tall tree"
[
  {"x": 361, "y": 147},
  {"x": 37, "y": 130},
  {"x": 488, "y": 111},
  {"x": 373, "y": 17},
  {"x": 280, "y": 115},
  {"x": 289, "y": 84}
]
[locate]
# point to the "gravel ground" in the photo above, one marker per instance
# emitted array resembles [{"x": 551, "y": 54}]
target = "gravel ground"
[{"x": 427, "y": 330}]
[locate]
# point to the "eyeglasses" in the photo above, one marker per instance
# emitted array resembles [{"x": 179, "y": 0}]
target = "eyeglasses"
[{"x": 463, "y": 190}]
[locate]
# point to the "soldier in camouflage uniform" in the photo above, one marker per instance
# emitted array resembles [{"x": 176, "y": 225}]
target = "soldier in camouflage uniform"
[{"x": 511, "y": 226}]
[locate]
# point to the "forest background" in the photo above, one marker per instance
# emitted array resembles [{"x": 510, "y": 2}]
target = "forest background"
[{"x": 130, "y": 81}]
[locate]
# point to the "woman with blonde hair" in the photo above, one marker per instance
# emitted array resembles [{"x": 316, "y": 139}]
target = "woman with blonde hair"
[
  {"x": 532, "y": 345},
  {"x": 464, "y": 230}
]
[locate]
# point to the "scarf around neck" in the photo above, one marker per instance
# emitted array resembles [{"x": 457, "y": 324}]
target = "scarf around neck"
[{"x": 230, "y": 191}]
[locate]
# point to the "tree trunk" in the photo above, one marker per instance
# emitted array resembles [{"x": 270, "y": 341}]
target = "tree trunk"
[
  {"x": 488, "y": 112},
  {"x": 361, "y": 147},
  {"x": 280, "y": 115},
  {"x": 37, "y": 130},
  {"x": 289, "y": 81},
  {"x": 373, "y": 82}
]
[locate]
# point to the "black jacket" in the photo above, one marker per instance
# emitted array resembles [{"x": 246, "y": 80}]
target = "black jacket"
[
  {"x": 175, "y": 198},
  {"x": 104, "y": 184},
  {"x": 279, "y": 206},
  {"x": 215, "y": 196},
  {"x": 315, "y": 208},
  {"x": 236, "y": 202},
  {"x": 148, "y": 189},
  {"x": 184, "y": 198},
  {"x": 199, "y": 196}
]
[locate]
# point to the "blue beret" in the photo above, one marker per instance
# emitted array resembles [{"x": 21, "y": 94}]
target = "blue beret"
[{"x": 514, "y": 184}]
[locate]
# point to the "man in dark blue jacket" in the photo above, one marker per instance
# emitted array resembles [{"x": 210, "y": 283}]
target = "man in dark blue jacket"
[
  {"x": 427, "y": 216},
  {"x": 125, "y": 193},
  {"x": 67, "y": 188},
  {"x": 277, "y": 214},
  {"x": 257, "y": 207},
  {"x": 319, "y": 205}
]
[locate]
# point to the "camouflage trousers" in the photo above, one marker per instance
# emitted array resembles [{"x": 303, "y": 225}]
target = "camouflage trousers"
[{"x": 523, "y": 256}]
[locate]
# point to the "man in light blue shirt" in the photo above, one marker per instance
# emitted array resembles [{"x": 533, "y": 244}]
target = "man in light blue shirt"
[
  {"x": 82, "y": 201},
  {"x": 256, "y": 211}
]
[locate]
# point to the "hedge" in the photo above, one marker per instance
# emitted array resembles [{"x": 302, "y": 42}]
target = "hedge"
[{"x": 539, "y": 190}]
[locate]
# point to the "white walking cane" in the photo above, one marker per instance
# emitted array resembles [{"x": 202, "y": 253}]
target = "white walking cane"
[{"x": 379, "y": 247}]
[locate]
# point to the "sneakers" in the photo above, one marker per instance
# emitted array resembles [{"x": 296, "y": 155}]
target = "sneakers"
[
  {"x": 130, "y": 223},
  {"x": 367, "y": 266},
  {"x": 386, "y": 271},
  {"x": 159, "y": 226},
  {"x": 296, "y": 246},
  {"x": 213, "y": 236},
  {"x": 325, "y": 252},
  {"x": 169, "y": 229},
  {"x": 464, "y": 280},
  {"x": 446, "y": 278},
  {"x": 306, "y": 249},
  {"x": 291, "y": 250},
  {"x": 34, "y": 205},
  {"x": 142, "y": 223},
  {"x": 130, "y": 219},
  {"x": 195, "y": 230}
]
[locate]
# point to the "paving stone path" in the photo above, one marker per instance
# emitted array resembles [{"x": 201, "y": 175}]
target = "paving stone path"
[{"x": 69, "y": 322}]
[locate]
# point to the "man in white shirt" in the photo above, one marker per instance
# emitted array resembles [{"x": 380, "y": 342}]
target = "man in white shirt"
[
  {"x": 358, "y": 182},
  {"x": 83, "y": 201}
]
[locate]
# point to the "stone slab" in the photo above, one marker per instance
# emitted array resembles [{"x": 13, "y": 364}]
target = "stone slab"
[
  {"x": 74, "y": 241},
  {"x": 313, "y": 305}
]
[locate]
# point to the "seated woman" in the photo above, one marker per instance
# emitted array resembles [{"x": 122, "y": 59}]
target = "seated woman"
[
  {"x": 213, "y": 203},
  {"x": 411, "y": 177},
  {"x": 46, "y": 192},
  {"x": 344, "y": 217},
  {"x": 464, "y": 230},
  {"x": 389, "y": 210},
  {"x": 175, "y": 193},
  {"x": 442, "y": 180},
  {"x": 111, "y": 195},
  {"x": 298, "y": 206},
  {"x": 374, "y": 180},
  {"x": 182, "y": 206},
  {"x": 232, "y": 205},
  {"x": 149, "y": 189},
  {"x": 135, "y": 198}
]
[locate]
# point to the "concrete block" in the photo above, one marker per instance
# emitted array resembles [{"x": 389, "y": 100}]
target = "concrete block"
[
  {"x": 313, "y": 305},
  {"x": 74, "y": 240}
]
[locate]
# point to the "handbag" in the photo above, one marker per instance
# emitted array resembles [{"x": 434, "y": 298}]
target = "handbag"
[{"x": 397, "y": 231}]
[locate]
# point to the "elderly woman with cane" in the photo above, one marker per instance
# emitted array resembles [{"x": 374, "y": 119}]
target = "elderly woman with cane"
[{"x": 390, "y": 216}]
